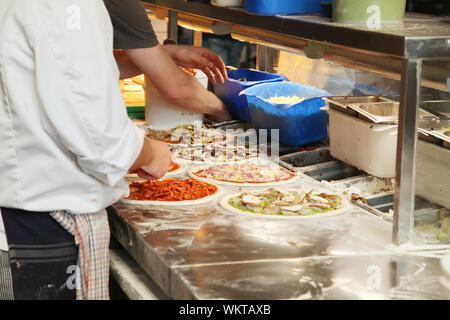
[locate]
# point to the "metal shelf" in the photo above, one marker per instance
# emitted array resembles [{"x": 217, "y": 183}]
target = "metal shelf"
[{"x": 420, "y": 36}]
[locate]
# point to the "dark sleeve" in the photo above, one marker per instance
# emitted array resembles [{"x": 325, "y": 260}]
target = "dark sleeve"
[{"x": 132, "y": 28}]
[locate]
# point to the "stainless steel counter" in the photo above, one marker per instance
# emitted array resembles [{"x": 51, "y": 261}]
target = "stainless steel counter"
[{"x": 204, "y": 252}]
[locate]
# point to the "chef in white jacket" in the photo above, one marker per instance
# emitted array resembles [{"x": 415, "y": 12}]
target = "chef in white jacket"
[{"x": 66, "y": 144}]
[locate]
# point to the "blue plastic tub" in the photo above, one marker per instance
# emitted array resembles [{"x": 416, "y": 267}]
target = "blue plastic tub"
[
  {"x": 229, "y": 91},
  {"x": 273, "y": 7},
  {"x": 299, "y": 124}
]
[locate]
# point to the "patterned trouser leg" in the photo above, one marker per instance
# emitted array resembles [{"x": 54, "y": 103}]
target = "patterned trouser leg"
[{"x": 6, "y": 284}]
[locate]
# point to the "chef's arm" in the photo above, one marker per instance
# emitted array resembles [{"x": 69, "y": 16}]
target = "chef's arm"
[
  {"x": 175, "y": 85},
  {"x": 184, "y": 56},
  {"x": 126, "y": 67}
]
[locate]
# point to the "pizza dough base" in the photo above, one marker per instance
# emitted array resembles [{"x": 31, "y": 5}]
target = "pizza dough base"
[
  {"x": 175, "y": 203},
  {"x": 243, "y": 184},
  {"x": 224, "y": 203},
  {"x": 212, "y": 163}
]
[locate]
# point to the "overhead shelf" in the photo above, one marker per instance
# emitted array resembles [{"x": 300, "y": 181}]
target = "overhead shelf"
[{"x": 420, "y": 36}]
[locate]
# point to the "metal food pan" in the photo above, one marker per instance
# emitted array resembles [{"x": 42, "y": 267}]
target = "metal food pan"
[
  {"x": 282, "y": 149},
  {"x": 383, "y": 112},
  {"x": 428, "y": 222},
  {"x": 333, "y": 171},
  {"x": 424, "y": 114},
  {"x": 424, "y": 135},
  {"x": 436, "y": 131},
  {"x": 378, "y": 205},
  {"x": 340, "y": 103},
  {"x": 210, "y": 123},
  {"x": 424, "y": 204},
  {"x": 382, "y": 203},
  {"x": 377, "y": 112},
  {"x": 365, "y": 186},
  {"x": 299, "y": 160},
  {"x": 233, "y": 124},
  {"x": 434, "y": 124},
  {"x": 426, "y": 212},
  {"x": 446, "y": 143},
  {"x": 345, "y": 100},
  {"x": 286, "y": 149},
  {"x": 441, "y": 108},
  {"x": 426, "y": 216},
  {"x": 385, "y": 202}
]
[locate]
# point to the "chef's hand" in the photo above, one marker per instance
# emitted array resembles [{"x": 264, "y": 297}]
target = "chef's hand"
[
  {"x": 154, "y": 160},
  {"x": 198, "y": 58},
  {"x": 222, "y": 114}
]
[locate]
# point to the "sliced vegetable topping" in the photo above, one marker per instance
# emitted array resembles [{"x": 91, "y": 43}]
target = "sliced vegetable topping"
[
  {"x": 245, "y": 173},
  {"x": 286, "y": 202}
]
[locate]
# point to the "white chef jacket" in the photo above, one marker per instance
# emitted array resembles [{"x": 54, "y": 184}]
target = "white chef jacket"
[{"x": 65, "y": 139}]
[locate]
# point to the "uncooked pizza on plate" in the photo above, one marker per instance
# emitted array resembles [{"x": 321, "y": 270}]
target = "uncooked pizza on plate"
[
  {"x": 188, "y": 134},
  {"x": 171, "y": 192},
  {"x": 244, "y": 174},
  {"x": 278, "y": 203},
  {"x": 214, "y": 154}
]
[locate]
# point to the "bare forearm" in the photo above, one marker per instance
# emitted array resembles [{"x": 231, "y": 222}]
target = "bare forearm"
[
  {"x": 146, "y": 156},
  {"x": 193, "y": 96},
  {"x": 126, "y": 67},
  {"x": 153, "y": 160}
]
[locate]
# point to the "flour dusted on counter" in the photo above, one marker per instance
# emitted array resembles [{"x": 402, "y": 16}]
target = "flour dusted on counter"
[{"x": 365, "y": 188}]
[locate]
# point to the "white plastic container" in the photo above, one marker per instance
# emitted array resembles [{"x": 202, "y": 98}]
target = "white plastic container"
[
  {"x": 227, "y": 3},
  {"x": 162, "y": 115},
  {"x": 433, "y": 173},
  {"x": 367, "y": 146}
]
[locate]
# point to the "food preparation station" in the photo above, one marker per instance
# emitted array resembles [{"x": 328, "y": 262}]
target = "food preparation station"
[{"x": 372, "y": 251}]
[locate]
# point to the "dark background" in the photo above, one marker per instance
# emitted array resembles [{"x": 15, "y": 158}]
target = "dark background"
[{"x": 437, "y": 7}]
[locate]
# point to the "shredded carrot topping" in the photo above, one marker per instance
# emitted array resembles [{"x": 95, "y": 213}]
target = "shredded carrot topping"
[
  {"x": 192, "y": 72},
  {"x": 170, "y": 190}
]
